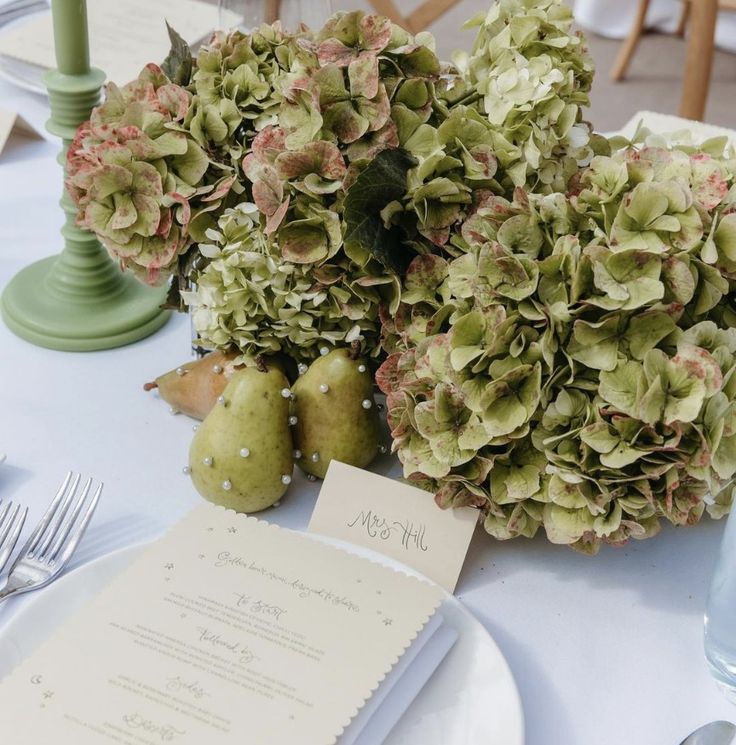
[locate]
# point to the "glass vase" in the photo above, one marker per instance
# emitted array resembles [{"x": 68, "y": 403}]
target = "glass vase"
[
  {"x": 720, "y": 614},
  {"x": 249, "y": 14}
]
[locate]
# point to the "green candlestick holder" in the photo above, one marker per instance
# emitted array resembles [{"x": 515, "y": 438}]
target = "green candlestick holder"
[{"x": 78, "y": 301}]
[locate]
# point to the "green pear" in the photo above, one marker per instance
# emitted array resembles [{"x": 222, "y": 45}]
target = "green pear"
[
  {"x": 242, "y": 454},
  {"x": 336, "y": 416}
]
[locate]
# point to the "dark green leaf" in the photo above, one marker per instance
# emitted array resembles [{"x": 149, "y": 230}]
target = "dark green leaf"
[
  {"x": 382, "y": 182},
  {"x": 178, "y": 64}
]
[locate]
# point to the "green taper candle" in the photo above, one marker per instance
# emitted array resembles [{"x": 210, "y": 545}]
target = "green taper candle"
[
  {"x": 71, "y": 37},
  {"x": 79, "y": 300}
]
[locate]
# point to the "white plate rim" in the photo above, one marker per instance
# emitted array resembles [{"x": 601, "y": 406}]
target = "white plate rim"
[{"x": 19, "y": 627}]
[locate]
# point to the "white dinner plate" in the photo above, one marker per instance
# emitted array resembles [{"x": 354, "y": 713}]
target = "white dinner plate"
[{"x": 471, "y": 700}]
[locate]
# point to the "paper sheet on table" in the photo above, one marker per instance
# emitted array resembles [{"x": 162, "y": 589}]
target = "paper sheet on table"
[
  {"x": 10, "y": 121},
  {"x": 124, "y": 34}
]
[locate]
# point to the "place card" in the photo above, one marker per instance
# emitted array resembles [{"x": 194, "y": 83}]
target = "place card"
[
  {"x": 228, "y": 629},
  {"x": 10, "y": 121},
  {"x": 395, "y": 519}
]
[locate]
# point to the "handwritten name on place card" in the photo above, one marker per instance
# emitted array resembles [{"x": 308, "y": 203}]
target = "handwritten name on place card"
[{"x": 395, "y": 519}]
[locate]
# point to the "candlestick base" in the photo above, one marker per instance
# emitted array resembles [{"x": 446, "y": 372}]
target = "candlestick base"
[{"x": 124, "y": 311}]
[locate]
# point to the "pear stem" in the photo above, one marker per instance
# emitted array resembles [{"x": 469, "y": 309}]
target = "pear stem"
[
  {"x": 355, "y": 350},
  {"x": 150, "y": 386},
  {"x": 261, "y": 363}
]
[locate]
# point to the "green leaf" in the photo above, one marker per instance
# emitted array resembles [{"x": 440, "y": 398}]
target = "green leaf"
[
  {"x": 178, "y": 64},
  {"x": 382, "y": 182}
]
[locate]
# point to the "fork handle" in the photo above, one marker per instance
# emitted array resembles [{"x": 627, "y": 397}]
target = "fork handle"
[{"x": 11, "y": 589}]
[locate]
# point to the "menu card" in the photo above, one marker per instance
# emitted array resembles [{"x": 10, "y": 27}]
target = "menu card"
[
  {"x": 123, "y": 34},
  {"x": 226, "y": 628}
]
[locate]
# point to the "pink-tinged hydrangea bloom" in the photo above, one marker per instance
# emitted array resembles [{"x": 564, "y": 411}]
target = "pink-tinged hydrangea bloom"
[{"x": 132, "y": 175}]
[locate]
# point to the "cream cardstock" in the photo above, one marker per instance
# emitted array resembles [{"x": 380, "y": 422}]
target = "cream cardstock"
[
  {"x": 124, "y": 34},
  {"x": 227, "y": 630},
  {"x": 396, "y": 519},
  {"x": 10, "y": 121}
]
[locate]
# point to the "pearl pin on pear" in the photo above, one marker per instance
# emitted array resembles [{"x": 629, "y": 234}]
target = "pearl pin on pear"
[
  {"x": 324, "y": 388},
  {"x": 244, "y": 452}
]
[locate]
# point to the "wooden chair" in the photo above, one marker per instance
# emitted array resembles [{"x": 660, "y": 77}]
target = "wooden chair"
[
  {"x": 701, "y": 16},
  {"x": 422, "y": 17}
]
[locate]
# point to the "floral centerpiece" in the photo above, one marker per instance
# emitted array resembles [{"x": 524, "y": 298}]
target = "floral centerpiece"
[{"x": 551, "y": 310}]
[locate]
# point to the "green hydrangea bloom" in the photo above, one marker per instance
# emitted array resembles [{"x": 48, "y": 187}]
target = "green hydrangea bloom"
[
  {"x": 575, "y": 367},
  {"x": 250, "y": 297},
  {"x": 532, "y": 76}
]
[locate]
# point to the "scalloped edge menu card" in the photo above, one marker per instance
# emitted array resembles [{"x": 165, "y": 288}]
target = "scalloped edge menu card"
[{"x": 228, "y": 629}]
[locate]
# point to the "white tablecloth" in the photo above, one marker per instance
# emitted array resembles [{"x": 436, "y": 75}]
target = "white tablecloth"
[{"x": 605, "y": 650}]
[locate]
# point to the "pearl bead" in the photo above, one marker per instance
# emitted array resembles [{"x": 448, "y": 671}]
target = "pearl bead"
[
  {"x": 221, "y": 400},
  {"x": 379, "y": 407},
  {"x": 367, "y": 403},
  {"x": 216, "y": 369},
  {"x": 297, "y": 454},
  {"x": 286, "y": 393},
  {"x": 181, "y": 371},
  {"x": 324, "y": 388},
  {"x": 286, "y": 479},
  {"x": 293, "y": 420},
  {"x": 315, "y": 457},
  {"x": 382, "y": 449},
  {"x": 226, "y": 485},
  {"x": 207, "y": 461},
  {"x": 361, "y": 368},
  {"x": 302, "y": 368},
  {"x": 324, "y": 351},
  {"x": 311, "y": 477},
  {"x": 186, "y": 470},
  {"x": 244, "y": 452},
  {"x": 173, "y": 411},
  {"x": 195, "y": 427},
  {"x": 276, "y": 504}
]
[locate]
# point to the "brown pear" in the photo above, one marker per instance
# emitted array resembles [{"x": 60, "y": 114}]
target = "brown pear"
[{"x": 193, "y": 388}]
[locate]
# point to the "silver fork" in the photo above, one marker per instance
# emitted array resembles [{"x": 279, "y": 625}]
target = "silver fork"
[
  {"x": 11, "y": 523},
  {"x": 55, "y": 538}
]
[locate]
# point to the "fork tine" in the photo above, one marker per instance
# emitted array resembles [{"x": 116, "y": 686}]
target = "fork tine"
[
  {"x": 19, "y": 520},
  {"x": 4, "y": 514},
  {"x": 6, "y": 523},
  {"x": 71, "y": 545},
  {"x": 58, "y": 519},
  {"x": 63, "y": 532},
  {"x": 44, "y": 521},
  {"x": 10, "y": 535}
]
